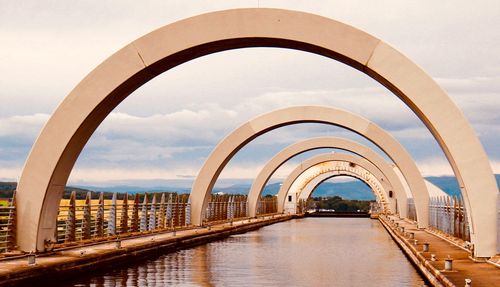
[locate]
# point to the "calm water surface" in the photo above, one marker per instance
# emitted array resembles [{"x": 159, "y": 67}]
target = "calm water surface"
[{"x": 305, "y": 252}]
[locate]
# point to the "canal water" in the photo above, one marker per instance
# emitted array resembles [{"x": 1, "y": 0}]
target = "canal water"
[{"x": 302, "y": 252}]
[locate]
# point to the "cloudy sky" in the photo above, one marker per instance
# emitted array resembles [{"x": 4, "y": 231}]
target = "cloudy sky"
[{"x": 166, "y": 128}]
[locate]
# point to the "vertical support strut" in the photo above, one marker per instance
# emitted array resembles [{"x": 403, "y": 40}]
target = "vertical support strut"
[
  {"x": 99, "y": 224},
  {"x": 144, "y": 214},
  {"x": 87, "y": 217},
  {"x": 112, "y": 216},
  {"x": 124, "y": 215}
]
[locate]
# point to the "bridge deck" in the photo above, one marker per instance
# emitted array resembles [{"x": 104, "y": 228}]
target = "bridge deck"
[{"x": 481, "y": 273}]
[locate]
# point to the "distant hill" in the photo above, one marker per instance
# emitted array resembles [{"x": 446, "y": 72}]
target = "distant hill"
[
  {"x": 136, "y": 189},
  {"x": 7, "y": 188},
  {"x": 449, "y": 184},
  {"x": 347, "y": 190}
]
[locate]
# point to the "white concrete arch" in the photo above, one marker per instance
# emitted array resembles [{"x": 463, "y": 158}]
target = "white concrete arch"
[
  {"x": 326, "y": 162},
  {"x": 55, "y": 151},
  {"x": 328, "y": 142},
  {"x": 338, "y": 168},
  {"x": 311, "y": 186},
  {"x": 374, "y": 185}
]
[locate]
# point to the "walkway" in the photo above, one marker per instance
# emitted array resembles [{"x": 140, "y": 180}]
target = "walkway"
[
  {"x": 94, "y": 257},
  {"x": 481, "y": 273}
]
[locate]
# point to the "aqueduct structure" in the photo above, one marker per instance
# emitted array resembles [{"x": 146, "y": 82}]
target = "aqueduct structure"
[
  {"x": 55, "y": 151},
  {"x": 303, "y": 114}
]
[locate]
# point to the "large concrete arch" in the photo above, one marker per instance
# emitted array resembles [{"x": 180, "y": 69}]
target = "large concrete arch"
[
  {"x": 55, "y": 151},
  {"x": 224, "y": 151},
  {"x": 323, "y": 162},
  {"x": 328, "y": 142}
]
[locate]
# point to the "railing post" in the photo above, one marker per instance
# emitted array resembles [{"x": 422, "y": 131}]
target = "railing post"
[
  {"x": 144, "y": 214},
  {"x": 99, "y": 224},
  {"x": 70, "y": 232},
  {"x": 152, "y": 214},
  {"x": 229, "y": 207},
  {"x": 243, "y": 210},
  {"x": 87, "y": 217},
  {"x": 210, "y": 209},
  {"x": 218, "y": 207},
  {"x": 188, "y": 211},
  {"x": 178, "y": 209},
  {"x": 175, "y": 212},
  {"x": 112, "y": 216},
  {"x": 12, "y": 221},
  {"x": 169, "y": 211},
  {"x": 134, "y": 223},
  {"x": 124, "y": 215},
  {"x": 225, "y": 206},
  {"x": 161, "y": 223},
  {"x": 182, "y": 211}
]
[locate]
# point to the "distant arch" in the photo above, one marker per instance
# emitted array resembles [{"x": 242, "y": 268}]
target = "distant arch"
[
  {"x": 326, "y": 142},
  {"x": 327, "y": 162},
  {"x": 55, "y": 151},
  {"x": 312, "y": 185}
]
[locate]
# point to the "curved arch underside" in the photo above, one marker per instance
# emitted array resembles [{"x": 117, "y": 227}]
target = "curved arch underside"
[
  {"x": 327, "y": 162},
  {"x": 54, "y": 153},
  {"x": 239, "y": 137},
  {"x": 327, "y": 142},
  {"x": 312, "y": 185}
]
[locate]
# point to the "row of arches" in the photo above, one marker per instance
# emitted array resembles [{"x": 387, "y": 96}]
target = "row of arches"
[
  {"x": 55, "y": 151},
  {"x": 295, "y": 186}
]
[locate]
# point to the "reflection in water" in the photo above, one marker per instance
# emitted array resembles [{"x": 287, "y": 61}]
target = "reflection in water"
[{"x": 306, "y": 252}]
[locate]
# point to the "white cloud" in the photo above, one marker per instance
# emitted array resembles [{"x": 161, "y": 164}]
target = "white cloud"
[{"x": 23, "y": 126}]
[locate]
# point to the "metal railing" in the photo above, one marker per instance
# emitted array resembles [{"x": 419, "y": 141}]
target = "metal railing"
[
  {"x": 448, "y": 214},
  {"x": 8, "y": 226},
  {"x": 90, "y": 219},
  {"x": 96, "y": 218},
  {"x": 226, "y": 207},
  {"x": 267, "y": 205}
]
